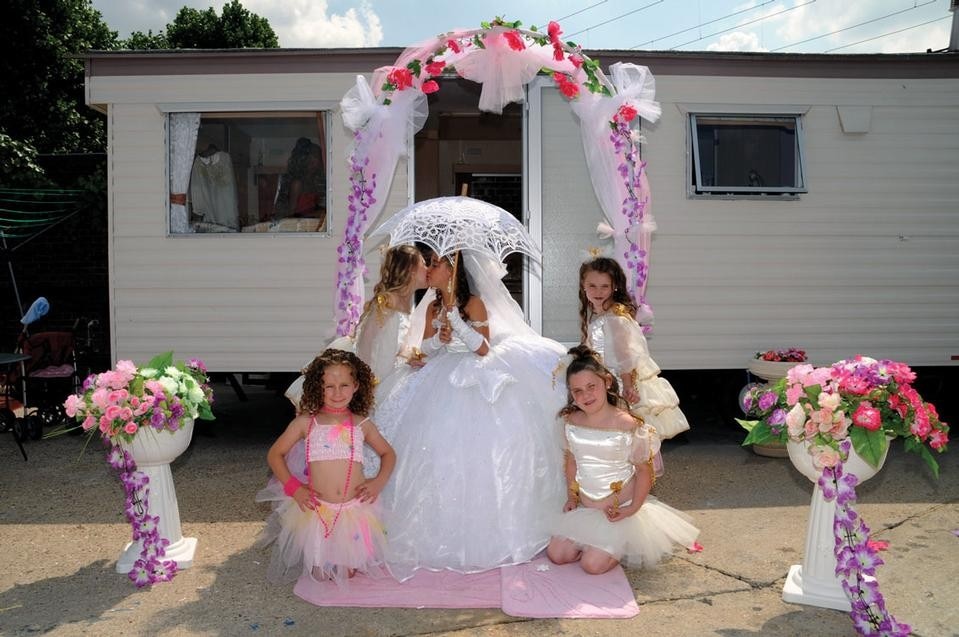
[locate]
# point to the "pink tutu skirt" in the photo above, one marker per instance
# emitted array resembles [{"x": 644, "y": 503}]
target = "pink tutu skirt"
[{"x": 312, "y": 543}]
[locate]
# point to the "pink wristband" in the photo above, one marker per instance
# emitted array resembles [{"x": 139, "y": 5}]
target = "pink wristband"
[{"x": 291, "y": 485}]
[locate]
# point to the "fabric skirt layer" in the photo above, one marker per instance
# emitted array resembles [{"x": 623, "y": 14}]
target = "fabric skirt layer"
[
  {"x": 479, "y": 458},
  {"x": 302, "y": 544},
  {"x": 659, "y": 406},
  {"x": 641, "y": 540}
]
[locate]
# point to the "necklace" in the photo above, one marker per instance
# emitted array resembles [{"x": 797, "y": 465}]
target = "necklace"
[
  {"x": 334, "y": 410},
  {"x": 328, "y": 528}
]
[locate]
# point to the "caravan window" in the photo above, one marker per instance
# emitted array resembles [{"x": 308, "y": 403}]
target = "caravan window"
[
  {"x": 252, "y": 172},
  {"x": 746, "y": 155}
]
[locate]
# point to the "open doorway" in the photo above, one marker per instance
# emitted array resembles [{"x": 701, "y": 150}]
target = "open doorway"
[{"x": 461, "y": 150}]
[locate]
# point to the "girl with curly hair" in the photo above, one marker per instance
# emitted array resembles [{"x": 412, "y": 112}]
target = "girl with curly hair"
[{"x": 325, "y": 523}]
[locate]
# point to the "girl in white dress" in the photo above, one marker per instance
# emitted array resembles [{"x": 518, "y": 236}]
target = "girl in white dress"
[
  {"x": 608, "y": 326},
  {"x": 612, "y": 462},
  {"x": 480, "y": 458}
]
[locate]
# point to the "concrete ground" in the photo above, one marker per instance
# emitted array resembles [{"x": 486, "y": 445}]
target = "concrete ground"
[{"x": 61, "y": 530}]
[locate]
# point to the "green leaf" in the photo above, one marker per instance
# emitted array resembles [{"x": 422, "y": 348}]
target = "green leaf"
[
  {"x": 870, "y": 445},
  {"x": 478, "y": 41},
  {"x": 532, "y": 27},
  {"x": 930, "y": 460},
  {"x": 760, "y": 434},
  {"x": 485, "y": 25},
  {"x": 387, "y": 102},
  {"x": 813, "y": 392},
  {"x": 205, "y": 413},
  {"x": 414, "y": 66},
  {"x": 161, "y": 361},
  {"x": 748, "y": 425}
]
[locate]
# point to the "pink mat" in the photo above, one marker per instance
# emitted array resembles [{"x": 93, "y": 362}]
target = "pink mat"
[{"x": 535, "y": 589}]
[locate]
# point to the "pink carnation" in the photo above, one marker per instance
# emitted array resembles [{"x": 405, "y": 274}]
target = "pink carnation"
[
  {"x": 88, "y": 423},
  {"x": 900, "y": 372},
  {"x": 938, "y": 439},
  {"x": 921, "y": 426},
  {"x": 798, "y": 374},
  {"x": 794, "y": 393},
  {"x": 105, "y": 425},
  {"x": 100, "y": 398},
  {"x": 867, "y": 416},
  {"x": 113, "y": 412},
  {"x": 72, "y": 405}
]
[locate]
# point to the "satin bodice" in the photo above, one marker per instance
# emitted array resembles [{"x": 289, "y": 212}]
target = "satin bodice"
[
  {"x": 596, "y": 333},
  {"x": 603, "y": 456}
]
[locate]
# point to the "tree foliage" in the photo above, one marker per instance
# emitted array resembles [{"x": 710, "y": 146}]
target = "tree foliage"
[
  {"x": 43, "y": 109},
  {"x": 235, "y": 28}
]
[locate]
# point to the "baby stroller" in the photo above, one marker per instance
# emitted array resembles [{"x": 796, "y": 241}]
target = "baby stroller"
[{"x": 47, "y": 370}]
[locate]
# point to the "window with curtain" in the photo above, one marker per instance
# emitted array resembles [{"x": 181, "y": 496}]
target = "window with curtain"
[{"x": 254, "y": 172}]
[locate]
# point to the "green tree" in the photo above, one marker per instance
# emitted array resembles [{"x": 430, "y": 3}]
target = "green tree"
[
  {"x": 235, "y": 28},
  {"x": 43, "y": 109}
]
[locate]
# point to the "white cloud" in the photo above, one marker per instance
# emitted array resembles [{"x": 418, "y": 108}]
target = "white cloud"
[
  {"x": 737, "y": 41},
  {"x": 308, "y": 23}
]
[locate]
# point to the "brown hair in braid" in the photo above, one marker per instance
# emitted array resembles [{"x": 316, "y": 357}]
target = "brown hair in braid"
[
  {"x": 312, "y": 399},
  {"x": 611, "y": 267}
]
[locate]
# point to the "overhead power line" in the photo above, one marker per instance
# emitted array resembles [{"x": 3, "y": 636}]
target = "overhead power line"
[
  {"x": 739, "y": 26},
  {"x": 915, "y": 26},
  {"x": 702, "y": 24},
  {"x": 651, "y": 4},
  {"x": 883, "y": 17},
  {"x": 596, "y": 4}
]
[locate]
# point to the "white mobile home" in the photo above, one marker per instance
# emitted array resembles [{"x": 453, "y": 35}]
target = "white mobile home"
[{"x": 801, "y": 200}]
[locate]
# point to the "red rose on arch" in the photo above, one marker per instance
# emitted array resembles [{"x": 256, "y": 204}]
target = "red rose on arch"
[
  {"x": 400, "y": 78},
  {"x": 515, "y": 40},
  {"x": 430, "y": 86}
]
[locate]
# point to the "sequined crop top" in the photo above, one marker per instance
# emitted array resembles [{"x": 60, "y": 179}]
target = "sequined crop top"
[{"x": 332, "y": 442}]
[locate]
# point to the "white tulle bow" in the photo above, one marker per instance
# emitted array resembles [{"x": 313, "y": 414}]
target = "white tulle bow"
[
  {"x": 358, "y": 105},
  {"x": 635, "y": 85}
]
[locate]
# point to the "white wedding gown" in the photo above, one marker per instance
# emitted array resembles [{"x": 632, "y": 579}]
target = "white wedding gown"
[{"x": 479, "y": 468}]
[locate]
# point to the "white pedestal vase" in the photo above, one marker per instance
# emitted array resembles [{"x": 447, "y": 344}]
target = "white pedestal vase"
[
  {"x": 153, "y": 452},
  {"x": 814, "y": 582}
]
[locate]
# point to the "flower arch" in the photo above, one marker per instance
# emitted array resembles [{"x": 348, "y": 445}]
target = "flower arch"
[{"x": 503, "y": 57}]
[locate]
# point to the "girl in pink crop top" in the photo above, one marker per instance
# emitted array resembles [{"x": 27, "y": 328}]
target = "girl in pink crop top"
[{"x": 326, "y": 525}]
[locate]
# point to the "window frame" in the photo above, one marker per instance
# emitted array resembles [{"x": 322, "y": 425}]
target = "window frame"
[
  {"x": 240, "y": 109},
  {"x": 694, "y": 167}
]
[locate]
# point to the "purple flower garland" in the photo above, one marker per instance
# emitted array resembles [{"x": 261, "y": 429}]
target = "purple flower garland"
[
  {"x": 350, "y": 252},
  {"x": 633, "y": 209},
  {"x": 856, "y": 560},
  {"x": 151, "y": 567}
]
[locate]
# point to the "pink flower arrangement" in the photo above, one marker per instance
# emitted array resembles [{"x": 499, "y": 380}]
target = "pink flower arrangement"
[
  {"x": 860, "y": 399},
  {"x": 119, "y": 402}
]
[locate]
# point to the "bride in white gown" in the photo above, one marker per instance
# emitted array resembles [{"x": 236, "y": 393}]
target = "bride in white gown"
[{"x": 479, "y": 465}]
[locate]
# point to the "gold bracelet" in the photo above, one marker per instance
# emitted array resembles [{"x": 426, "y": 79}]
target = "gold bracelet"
[{"x": 573, "y": 489}]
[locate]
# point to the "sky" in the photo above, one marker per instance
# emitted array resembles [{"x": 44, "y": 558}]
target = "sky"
[{"x": 794, "y": 26}]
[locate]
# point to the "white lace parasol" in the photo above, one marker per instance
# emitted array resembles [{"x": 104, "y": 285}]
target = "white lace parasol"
[{"x": 449, "y": 224}]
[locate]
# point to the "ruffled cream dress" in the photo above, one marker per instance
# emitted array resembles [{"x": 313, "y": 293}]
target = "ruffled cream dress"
[{"x": 619, "y": 339}]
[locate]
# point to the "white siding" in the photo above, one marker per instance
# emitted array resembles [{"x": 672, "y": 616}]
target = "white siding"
[
  {"x": 241, "y": 302},
  {"x": 866, "y": 262}
]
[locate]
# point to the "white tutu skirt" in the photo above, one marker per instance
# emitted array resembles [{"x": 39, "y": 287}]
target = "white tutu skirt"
[
  {"x": 479, "y": 457},
  {"x": 301, "y": 545},
  {"x": 641, "y": 540}
]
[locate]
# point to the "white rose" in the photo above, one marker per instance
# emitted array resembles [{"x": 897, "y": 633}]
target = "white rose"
[
  {"x": 796, "y": 422},
  {"x": 169, "y": 385},
  {"x": 148, "y": 372},
  {"x": 829, "y": 400},
  {"x": 172, "y": 372}
]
